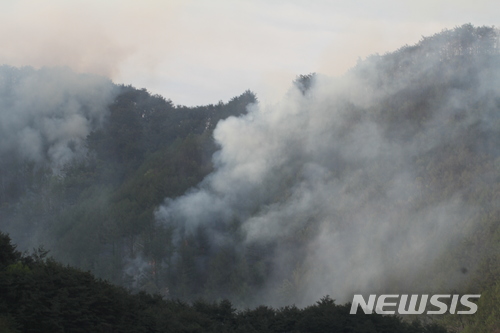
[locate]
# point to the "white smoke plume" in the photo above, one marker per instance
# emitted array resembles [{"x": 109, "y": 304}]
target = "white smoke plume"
[
  {"x": 334, "y": 183},
  {"x": 46, "y": 114}
]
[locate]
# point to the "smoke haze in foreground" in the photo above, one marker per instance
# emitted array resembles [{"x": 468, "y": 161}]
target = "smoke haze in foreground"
[{"x": 332, "y": 178}]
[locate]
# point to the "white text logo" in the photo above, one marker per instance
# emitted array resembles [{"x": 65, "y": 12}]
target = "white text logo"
[{"x": 389, "y": 304}]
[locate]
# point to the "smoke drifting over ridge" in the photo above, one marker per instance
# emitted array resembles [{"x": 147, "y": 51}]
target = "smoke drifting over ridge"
[
  {"x": 46, "y": 114},
  {"x": 334, "y": 179},
  {"x": 373, "y": 182}
]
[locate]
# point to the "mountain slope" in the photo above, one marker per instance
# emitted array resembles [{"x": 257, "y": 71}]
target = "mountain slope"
[{"x": 385, "y": 180}]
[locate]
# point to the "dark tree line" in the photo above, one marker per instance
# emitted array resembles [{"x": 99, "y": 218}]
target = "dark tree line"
[{"x": 37, "y": 294}]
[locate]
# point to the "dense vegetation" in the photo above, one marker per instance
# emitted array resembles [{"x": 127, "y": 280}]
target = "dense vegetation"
[
  {"x": 38, "y": 294},
  {"x": 97, "y": 211}
]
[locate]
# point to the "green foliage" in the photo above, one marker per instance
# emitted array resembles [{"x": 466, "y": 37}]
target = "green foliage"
[
  {"x": 45, "y": 296},
  {"x": 8, "y": 253},
  {"x": 98, "y": 212}
]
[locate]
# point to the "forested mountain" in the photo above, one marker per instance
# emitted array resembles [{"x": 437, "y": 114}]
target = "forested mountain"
[
  {"x": 385, "y": 180},
  {"x": 95, "y": 211},
  {"x": 40, "y": 295}
]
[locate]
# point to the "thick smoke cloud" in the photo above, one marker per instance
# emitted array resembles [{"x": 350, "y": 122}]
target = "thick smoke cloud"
[
  {"x": 334, "y": 183},
  {"x": 46, "y": 114}
]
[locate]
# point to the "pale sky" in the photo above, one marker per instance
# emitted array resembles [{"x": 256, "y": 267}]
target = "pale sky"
[{"x": 202, "y": 51}]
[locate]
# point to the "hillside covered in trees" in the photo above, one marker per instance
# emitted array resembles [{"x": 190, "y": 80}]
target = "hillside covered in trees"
[
  {"x": 385, "y": 180},
  {"x": 41, "y": 295}
]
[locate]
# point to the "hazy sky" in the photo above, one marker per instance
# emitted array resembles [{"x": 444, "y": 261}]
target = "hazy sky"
[{"x": 200, "y": 51}]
